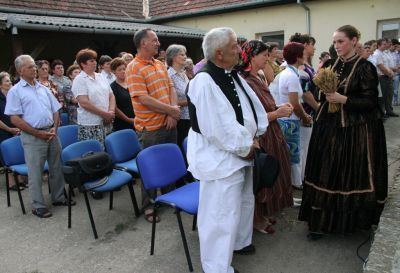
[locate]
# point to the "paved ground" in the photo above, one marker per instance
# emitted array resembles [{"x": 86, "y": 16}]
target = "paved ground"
[{"x": 29, "y": 244}]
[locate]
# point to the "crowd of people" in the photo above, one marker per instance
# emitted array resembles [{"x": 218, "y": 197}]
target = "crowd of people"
[{"x": 238, "y": 98}]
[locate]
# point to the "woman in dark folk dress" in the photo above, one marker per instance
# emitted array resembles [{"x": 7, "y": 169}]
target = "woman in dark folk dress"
[
  {"x": 346, "y": 173},
  {"x": 268, "y": 201}
]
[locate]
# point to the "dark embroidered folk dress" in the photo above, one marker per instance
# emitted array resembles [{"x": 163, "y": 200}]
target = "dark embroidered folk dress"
[
  {"x": 270, "y": 201},
  {"x": 346, "y": 173}
]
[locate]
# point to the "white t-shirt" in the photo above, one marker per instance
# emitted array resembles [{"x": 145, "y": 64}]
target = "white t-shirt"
[
  {"x": 289, "y": 82},
  {"x": 98, "y": 90},
  {"x": 381, "y": 58}
]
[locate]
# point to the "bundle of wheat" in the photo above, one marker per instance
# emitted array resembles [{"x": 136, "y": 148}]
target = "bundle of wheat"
[{"x": 327, "y": 81}]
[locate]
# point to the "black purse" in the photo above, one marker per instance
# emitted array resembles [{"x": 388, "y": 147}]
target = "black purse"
[
  {"x": 88, "y": 168},
  {"x": 265, "y": 171}
]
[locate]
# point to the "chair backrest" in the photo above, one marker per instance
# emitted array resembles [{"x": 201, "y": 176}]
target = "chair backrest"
[
  {"x": 68, "y": 134},
  {"x": 122, "y": 145},
  {"x": 184, "y": 145},
  {"x": 12, "y": 151},
  {"x": 64, "y": 119},
  {"x": 80, "y": 148},
  {"x": 160, "y": 165}
]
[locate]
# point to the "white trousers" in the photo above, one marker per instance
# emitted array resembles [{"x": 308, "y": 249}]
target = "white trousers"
[
  {"x": 305, "y": 136},
  {"x": 225, "y": 219}
]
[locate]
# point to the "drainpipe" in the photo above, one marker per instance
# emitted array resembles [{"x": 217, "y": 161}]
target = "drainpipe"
[{"x": 308, "y": 16}]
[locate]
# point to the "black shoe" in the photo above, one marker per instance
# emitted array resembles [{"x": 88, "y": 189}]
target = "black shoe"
[
  {"x": 248, "y": 250},
  {"x": 97, "y": 195},
  {"x": 392, "y": 114},
  {"x": 313, "y": 236},
  {"x": 64, "y": 203},
  {"x": 235, "y": 270}
]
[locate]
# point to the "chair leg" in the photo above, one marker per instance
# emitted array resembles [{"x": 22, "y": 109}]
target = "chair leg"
[
  {"x": 69, "y": 205},
  {"x": 90, "y": 215},
  {"x": 72, "y": 191},
  {"x": 111, "y": 199},
  {"x": 134, "y": 201},
  {"x": 21, "y": 201},
  {"x": 48, "y": 181},
  {"x": 153, "y": 229},
  {"x": 189, "y": 261},
  {"x": 194, "y": 222},
  {"x": 6, "y": 172}
]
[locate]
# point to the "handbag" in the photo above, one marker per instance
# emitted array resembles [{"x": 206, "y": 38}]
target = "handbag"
[
  {"x": 89, "y": 167},
  {"x": 265, "y": 171}
]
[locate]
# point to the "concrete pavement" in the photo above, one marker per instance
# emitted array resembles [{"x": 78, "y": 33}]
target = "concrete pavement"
[{"x": 29, "y": 244}]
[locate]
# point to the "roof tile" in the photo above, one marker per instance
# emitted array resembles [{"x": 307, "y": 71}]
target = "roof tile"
[{"x": 125, "y": 9}]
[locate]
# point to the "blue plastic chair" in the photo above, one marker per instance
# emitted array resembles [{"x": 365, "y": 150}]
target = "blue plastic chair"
[
  {"x": 14, "y": 162},
  {"x": 115, "y": 180},
  {"x": 184, "y": 145},
  {"x": 123, "y": 147},
  {"x": 160, "y": 166},
  {"x": 67, "y": 134},
  {"x": 13, "y": 155},
  {"x": 64, "y": 119}
]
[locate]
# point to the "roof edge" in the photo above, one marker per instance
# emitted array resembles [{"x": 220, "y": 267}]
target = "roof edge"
[
  {"x": 70, "y": 15},
  {"x": 223, "y": 9},
  {"x": 155, "y": 19},
  {"x": 13, "y": 21}
]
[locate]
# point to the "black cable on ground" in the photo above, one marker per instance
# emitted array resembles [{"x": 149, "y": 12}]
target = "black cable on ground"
[{"x": 361, "y": 245}]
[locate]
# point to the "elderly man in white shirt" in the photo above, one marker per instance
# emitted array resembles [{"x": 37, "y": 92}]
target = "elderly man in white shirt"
[
  {"x": 226, "y": 118},
  {"x": 33, "y": 109}
]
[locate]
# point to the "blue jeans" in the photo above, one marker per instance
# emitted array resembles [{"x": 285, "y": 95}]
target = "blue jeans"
[{"x": 396, "y": 81}]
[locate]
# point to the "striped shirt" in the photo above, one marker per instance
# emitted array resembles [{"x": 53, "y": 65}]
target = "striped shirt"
[{"x": 148, "y": 78}]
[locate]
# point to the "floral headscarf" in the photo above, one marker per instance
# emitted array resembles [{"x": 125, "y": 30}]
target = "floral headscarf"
[{"x": 250, "y": 49}]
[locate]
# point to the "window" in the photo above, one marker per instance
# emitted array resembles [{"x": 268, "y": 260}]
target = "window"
[
  {"x": 272, "y": 37},
  {"x": 389, "y": 29}
]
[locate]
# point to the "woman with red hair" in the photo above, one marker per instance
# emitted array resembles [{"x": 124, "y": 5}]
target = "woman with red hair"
[{"x": 290, "y": 91}]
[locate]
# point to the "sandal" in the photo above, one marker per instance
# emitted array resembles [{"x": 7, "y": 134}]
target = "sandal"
[
  {"x": 42, "y": 213},
  {"x": 15, "y": 188},
  {"x": 267, "y": 230},
  {"x": 63, "y": 203},
  {"x": 149, "y": 214}
]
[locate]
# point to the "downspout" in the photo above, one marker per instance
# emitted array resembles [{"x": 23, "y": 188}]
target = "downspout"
[{"x": 308, "y": 16}]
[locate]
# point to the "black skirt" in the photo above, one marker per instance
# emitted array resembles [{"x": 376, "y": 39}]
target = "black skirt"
[{"x": 346, "y": 177}]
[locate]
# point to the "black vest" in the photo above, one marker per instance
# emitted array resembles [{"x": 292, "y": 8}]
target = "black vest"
[{"x": 226, "y": 84}]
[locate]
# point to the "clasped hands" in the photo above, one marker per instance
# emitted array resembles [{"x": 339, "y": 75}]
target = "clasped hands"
[
  {"x": 173, "y": 116},
  {"x": 284, "y": 110},
  {"x": 109, "y": 117},
  {"x": 47, "y": 135}
]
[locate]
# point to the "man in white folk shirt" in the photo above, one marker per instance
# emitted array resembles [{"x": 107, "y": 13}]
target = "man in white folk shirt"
[{"x": 226, "y": 118}]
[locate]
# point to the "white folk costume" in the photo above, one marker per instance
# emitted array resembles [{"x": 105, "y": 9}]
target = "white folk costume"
[{"x": 226, "y": 115}]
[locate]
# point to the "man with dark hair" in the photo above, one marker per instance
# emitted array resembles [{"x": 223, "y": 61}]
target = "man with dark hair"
[
  {"x": 153, "y": 97},
  {"x": 386, "y": 75}
]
